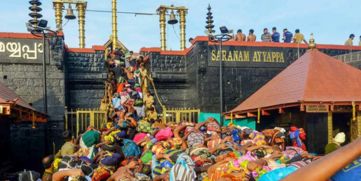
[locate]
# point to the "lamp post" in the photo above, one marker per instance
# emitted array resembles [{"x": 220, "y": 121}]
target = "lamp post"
[
  {"x": 37, "y": 27},
  {"x": 220, "y": 38}
]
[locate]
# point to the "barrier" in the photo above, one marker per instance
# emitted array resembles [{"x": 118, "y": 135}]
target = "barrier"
[
  {"x": 180, "y": 114},
  {"x": 76, "y": 121}
]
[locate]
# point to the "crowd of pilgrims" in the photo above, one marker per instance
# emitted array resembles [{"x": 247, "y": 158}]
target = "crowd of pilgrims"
[
  {"x": 274, "y": 36},
  {"x": 136, "y": 145}
]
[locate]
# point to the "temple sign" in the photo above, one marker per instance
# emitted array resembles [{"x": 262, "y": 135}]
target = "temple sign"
[
  {"x": 248, "y": 56},
  {"x": 27, "y": 51}
]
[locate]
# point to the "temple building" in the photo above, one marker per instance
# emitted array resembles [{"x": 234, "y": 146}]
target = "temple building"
[
  {"x": 187, "y": 78},
  {"x": 316, "y": 92},
  {"x": 190, "y": 78},
  {"x": 75, "y": 79}
]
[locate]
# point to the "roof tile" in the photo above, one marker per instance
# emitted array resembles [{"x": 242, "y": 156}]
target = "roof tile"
[{"x": 314, "y": 77}]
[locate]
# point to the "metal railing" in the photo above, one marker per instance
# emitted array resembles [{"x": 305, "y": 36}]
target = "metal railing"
[
  {"x": 350, "y": 57},
  {"x": 180, "y": 115},
  {"x": 176, "y": 114},
  {"x": 78, "y": 120}
]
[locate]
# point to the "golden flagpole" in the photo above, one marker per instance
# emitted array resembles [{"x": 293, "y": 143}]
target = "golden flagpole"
[{"x": 114, "y": 24}]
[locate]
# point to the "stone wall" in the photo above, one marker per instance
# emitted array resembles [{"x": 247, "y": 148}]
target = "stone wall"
[
  {"x": 85, "y": 75},
  {"x": 24, "y": 75},
  {"x": 75, "y": 78},
  {"x": 28, "y": 146},
  {"x": 169, "y": 74},
  {"x": 192, "y": 80}
]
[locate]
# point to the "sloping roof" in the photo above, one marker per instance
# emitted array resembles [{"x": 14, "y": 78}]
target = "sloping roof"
[
  {"x": 120, "y": 44},
  {"x": 8, "y": 96},
  {"x": 93, "y": 49},
  {"x": 314, "y": 77}
]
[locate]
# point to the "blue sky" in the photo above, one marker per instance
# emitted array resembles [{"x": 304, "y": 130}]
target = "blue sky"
[{"x": 330, "y": 20}]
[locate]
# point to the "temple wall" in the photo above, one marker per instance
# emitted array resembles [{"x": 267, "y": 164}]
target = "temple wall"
[
  {"x": 85, "y": 75},
  {"x": 75, "y": 79},
  {"x": 245, "y": 69},
  {"x": 21, "y": 70}
]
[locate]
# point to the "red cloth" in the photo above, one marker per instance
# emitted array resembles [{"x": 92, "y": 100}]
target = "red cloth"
[
  {"x": 100, "y": 174},
  {"x": 164, "y": 134},
  {"x": 302, "y": 136},
  {"x": 303, "y": 146},
  {"x": 293, "y": 128},
  {"x": 213, "y": 126},
  {"x": 120, "y": 87},
  {"x": 139, "y": 137}
]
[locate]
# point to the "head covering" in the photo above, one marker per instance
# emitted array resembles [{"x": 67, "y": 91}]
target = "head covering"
[
  {"x": 282, "y": 130},
  {"x": 130, "y": 68},
  {"x": 106, "y": 147},
  {"x": 340, "y": 138},
  {"x": 109, "y": 138},
  {"x": 90, "y": 138},
  {"x": 189, "y": 129},
  {"x": 293, "y": 128},
  {"x": 166, "y": 164},
  {"x": 154, "y": 140},
  {"x": 203, "y": 128},
  {"x": 127, "y": 55},
  {"x": 120, "y": 135},
  {"x": 85, "y": 159},
  {"x": 121, "y": 79},
  {"x": 111, "y": 160},
  {"x": 87, "y": 170},
  {"x": 100, "y": 174},
  {"x": 248, "y": 131},
  {"x": 139, "y": 137},
  {"x": 109, "y": 125}
]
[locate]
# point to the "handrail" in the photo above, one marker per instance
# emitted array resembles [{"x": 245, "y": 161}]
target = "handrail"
[{"x": 156, "y": 93}]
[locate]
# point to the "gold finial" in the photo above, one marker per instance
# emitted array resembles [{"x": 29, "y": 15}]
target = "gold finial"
[{"x": 311, "y": 44}]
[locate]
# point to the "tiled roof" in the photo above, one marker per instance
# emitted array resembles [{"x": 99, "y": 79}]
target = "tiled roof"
[
  {"x": 314, "y": 77},
  {"x": 16, "y": 35},
  {"x": 8, "y": 96}
]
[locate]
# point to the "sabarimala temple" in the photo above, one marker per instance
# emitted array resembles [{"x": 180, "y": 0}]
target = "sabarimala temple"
[{"x": 263, "y": 84}]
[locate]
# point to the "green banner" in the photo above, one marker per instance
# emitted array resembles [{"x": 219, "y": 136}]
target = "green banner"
[
  {"x": 203, "y": 116},
  {"x": 247, "y": 122}
]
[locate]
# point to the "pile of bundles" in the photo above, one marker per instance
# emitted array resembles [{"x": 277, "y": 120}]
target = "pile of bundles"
[
  {"x": 136, "y": 145},
  {"x": 186, "y": 151}
]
